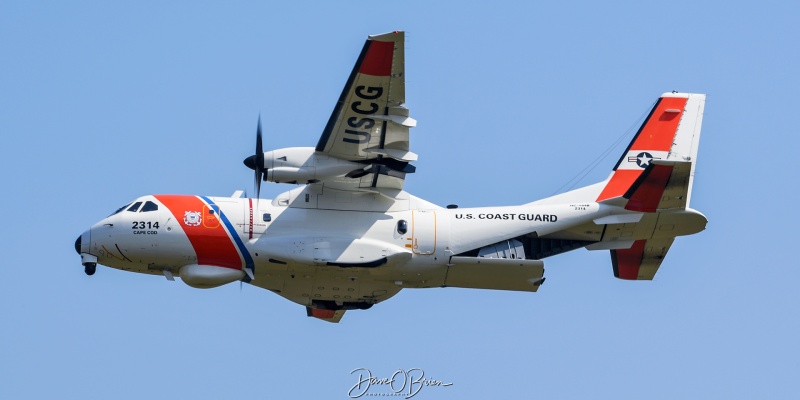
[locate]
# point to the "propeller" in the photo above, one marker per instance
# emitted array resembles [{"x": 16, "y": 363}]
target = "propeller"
[{"x": 256, "y": 161}]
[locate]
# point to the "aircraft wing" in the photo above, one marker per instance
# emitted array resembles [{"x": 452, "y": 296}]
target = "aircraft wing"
[
  {"x": 370, "y": 124},
  {"x": 495, "y": 273}
]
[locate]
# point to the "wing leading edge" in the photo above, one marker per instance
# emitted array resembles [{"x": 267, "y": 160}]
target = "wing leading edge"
[{"x": 370, "y": 124}]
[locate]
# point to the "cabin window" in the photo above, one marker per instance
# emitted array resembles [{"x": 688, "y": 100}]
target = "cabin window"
[
  {"x": 402, "y": 227},
  {"x": 135, "y": 206},
  {"x": 149, "y": 206}
]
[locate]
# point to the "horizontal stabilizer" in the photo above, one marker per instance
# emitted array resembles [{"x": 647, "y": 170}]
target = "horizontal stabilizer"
[
  {"x": 325, "y": 315},
  {"x": 618, "y": 201},
  {"x": 619, "y": 219},
  {"x": 611, "y": 245},
  {"x": 641, "y": 261},
  {"x": 495, "y": 273}
]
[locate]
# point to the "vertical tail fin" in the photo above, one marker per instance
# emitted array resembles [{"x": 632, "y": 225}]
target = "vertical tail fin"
[{"x": 671, "y": 133}]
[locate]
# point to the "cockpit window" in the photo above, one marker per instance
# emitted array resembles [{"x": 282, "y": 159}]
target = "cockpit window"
[
  {"x": 149, "y": 206},
  {"x": 135, "y": 206},
  {"x": 120, "y": 209}
]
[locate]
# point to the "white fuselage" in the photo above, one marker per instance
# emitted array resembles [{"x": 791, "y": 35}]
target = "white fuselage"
[{"x": 308, "y": 246}]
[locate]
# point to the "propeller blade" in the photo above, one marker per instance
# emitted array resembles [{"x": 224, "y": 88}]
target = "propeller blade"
[
  {"x": 259, "y": 160},
  {"x": 256, "y": 161},
  {"x": 259, "y": 149}
]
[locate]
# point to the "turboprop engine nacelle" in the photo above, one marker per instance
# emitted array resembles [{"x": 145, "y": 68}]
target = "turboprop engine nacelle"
[
  {"x": 208, "y": 276},
  {"x": 303, "y": 165}
]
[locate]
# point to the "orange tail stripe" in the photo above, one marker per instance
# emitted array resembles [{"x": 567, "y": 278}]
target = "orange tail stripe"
[
  {"x": 656, "y": 134},
  {"x": 659, "y": 131},
  {"x": 325, "y": 314},
  {"x": 626, "y": 262},
  {"x": 619, "y": 183},
  {"x": 647, "y": 195}
]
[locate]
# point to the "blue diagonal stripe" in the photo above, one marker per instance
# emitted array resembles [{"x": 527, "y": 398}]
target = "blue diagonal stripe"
[{"x": 248, "y": 259}]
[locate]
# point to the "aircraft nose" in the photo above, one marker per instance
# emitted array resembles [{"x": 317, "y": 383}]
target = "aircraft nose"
[{"x": 82, "y": 242}]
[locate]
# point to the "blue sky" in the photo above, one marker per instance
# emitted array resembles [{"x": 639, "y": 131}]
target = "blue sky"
[{"x": 101, "y": 103}]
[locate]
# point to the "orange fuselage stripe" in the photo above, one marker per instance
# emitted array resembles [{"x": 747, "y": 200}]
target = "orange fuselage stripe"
[{"x": 208, "y": 237}]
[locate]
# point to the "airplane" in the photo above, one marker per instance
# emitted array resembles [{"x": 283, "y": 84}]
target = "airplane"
[{"x": 349, "y": 237}]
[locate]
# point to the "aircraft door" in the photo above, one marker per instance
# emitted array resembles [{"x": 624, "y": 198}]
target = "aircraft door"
[
  {"x": 256, "y": 219},
  {"x": 423, "y": 233}
]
